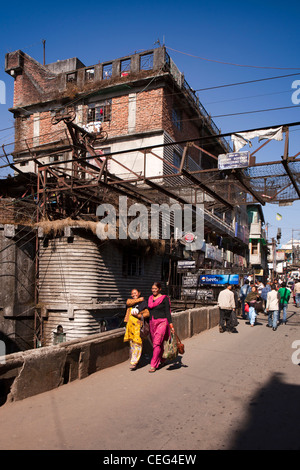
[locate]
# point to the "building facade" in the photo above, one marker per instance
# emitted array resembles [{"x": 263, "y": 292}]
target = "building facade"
[{"x": 147, "y": 124}]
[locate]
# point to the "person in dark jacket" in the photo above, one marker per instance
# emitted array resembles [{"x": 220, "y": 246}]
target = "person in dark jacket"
[{"x": 244, "y": 291}]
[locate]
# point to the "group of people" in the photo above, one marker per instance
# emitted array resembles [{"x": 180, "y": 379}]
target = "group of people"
[
  {"x": 271, "y": 299},
  {"x": 157, "y": 311}
]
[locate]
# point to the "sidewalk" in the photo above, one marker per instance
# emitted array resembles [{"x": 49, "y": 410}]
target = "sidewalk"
[{"x": 228, "y": 391}]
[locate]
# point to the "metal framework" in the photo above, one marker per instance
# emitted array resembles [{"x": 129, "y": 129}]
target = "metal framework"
[{"x": 74, "y": 188}]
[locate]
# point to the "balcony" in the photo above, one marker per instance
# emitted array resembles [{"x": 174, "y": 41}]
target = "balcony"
[
  {"x": 255, "y": 230},
  {"x": 255, "y": 259}
]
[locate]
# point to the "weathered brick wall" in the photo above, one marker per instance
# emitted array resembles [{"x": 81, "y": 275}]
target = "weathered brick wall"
[{"x": 33, "y": 82}]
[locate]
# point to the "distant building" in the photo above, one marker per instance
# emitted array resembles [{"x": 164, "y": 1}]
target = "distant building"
[{"x": 258, "y": 248}]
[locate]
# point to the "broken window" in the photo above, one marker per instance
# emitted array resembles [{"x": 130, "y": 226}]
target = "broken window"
[
  {"x": 99, "y": 112},
  {"x": 107, "y": 71},
  {"x": 125, "y": 67},
  {"x": 72, "y": 77},
  {"x": 90, "y": 74},
  {"x": 146, "y": 61}
]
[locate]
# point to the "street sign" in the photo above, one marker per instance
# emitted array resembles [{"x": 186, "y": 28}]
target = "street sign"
[
  {"x": 229, "y": 161},
  {"x": 219, "y": 279}
]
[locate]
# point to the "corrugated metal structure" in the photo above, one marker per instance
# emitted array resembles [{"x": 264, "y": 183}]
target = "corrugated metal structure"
[
  {"x": 17, "y": 274},
  {"x": 84, "y": 282}
]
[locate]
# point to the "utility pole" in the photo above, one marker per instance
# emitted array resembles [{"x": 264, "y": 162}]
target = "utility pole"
[
  {"x": 44, "y": 51},
  {"x": 274, "y": 257}
]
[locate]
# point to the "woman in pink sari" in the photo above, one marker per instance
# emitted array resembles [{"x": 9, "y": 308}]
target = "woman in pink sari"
[{"x": 160, "y": 323}]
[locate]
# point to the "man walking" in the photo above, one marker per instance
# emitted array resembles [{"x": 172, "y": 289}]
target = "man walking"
[
  {"x": 272, "y": 307},
  {"x": 227, "y": 305},
  {"x": 285, "y": 294},
  {"x": 297, "y": 293}
]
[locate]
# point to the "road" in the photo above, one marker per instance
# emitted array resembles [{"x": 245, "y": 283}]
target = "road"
[{"x": 228, "y": 391}]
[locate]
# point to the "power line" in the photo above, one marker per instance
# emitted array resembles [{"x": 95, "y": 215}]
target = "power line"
[
  {"x": 256, "y": 111},
  {"x": 248, "y": 81},
  {"x": 231, "y": 63}
]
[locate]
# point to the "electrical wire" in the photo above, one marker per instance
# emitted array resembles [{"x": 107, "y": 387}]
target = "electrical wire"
[
  {"x": 256, "y": 111},
  {"x": 231, "y": 63}
]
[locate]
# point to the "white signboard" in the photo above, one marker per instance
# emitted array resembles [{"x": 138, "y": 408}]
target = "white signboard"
[{"x": 229, "y": 161}]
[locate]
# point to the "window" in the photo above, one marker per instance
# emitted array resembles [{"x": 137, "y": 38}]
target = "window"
[
  {"x": 99, "y": 112},
  {"x": 125, "y": 67},
  {"x": 107, "y": 71},
  {"x": 132, "y": 263},
  {"x": 72, "y": 77},
  {"x": 176, "y": 161},
  {"x": 146, "y": 61},
  {"x": 90, "y": 74},
  {"x": 56, "y": 158},
  {"x": 177, "y": 118},
  {"x": 255, "y": 247}
]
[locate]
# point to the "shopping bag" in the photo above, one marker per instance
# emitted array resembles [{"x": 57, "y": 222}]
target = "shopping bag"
[
  {"x": 170, "y": 348},
  {"x": 145, "y": 329}
]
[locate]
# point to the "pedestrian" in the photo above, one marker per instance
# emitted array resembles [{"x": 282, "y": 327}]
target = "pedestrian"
[
  {"x": 236, "y": 311},
  {"x": 136, "y": 309},
  {"x": 251, "y": 300},
  {"x": 297, "y": 293},
  {"x": 285, "y": 294},
  {"x": 244, "y": 291},
  {"x": 161, "y": 325},
  {"x": 260, "y": 287},
  {"x": 272, "y": 307},
  {"x": 227, "y": 306},
  {"x": 264, "y": 293}
]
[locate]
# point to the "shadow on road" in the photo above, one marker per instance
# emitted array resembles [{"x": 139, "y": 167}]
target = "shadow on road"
[{"x": 273, "y": 421}]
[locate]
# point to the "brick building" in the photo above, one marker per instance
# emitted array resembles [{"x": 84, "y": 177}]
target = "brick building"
[
  {"x": 153, "y": 121},
  {"x": 139, "y": 100}
]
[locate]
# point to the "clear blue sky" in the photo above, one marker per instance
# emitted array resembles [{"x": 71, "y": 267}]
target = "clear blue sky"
[{"x": 261, "y": 34}]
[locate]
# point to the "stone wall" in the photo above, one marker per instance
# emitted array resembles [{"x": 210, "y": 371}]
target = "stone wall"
[{"x": 29, "y": 373}]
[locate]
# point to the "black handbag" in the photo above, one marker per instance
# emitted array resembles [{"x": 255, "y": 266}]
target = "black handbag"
[
  {"x": 145, "y": 329},
  {"x": 259, "y": 306}
]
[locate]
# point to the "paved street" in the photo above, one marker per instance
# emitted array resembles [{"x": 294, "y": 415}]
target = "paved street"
[{"x": 228, "y": 391}]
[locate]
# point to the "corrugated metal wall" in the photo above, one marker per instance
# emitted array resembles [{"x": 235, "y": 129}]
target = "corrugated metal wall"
[{"x": 85, "y": 270}]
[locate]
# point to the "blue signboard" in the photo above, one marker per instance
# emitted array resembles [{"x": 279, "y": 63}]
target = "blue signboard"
[
  {"x": 219, "y": 279},
  {"x": 233, "y": 160}
]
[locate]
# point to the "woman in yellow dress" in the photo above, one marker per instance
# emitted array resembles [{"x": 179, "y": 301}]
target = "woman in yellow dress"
[{"x": 136, "y": 308}]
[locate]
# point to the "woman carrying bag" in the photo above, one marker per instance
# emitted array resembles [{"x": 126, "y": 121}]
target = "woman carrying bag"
[
  {"x": 252, "y": 298},
  {"x": 161, "y": 325},
  {"x": 136, "y": 311}
]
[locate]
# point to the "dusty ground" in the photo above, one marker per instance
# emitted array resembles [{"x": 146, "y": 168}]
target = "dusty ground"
[{"x": 228, "y": 391}]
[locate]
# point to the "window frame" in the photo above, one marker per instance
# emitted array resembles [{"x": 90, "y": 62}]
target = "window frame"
[
  {"x": 146, "y": 60},
  {"x": 107, "y": 67},
  {"x": 132, "y": 263},
  {"x": 92, "y": 112}
]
